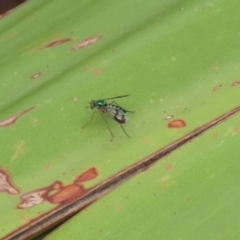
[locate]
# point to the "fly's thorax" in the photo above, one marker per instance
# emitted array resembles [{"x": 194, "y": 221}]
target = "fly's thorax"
[{"x": 100, "y": 104}]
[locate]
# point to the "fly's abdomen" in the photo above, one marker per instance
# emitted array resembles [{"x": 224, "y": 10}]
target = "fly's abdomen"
[{"x": 121, "y": 118}]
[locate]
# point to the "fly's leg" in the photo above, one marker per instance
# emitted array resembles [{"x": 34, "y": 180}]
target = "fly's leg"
[
  {"x": 124, "y": 130},
  {"x": 106, "y": 124},
  {"x": 89, "y": 120},
  {"x": 103, "y": 119}
]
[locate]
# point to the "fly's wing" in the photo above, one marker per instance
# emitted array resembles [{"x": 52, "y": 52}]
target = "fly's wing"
[{"x": 118, "y": 114}]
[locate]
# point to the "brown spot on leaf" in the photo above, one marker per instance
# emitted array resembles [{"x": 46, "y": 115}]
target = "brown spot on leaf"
[
  {"x": 6, "y": 184},
  {"x": 38, "y": 196},
  {"x": 85, "y": 43},
  {"x": 169, "y": 167},
  {"x": 217, "y": 87},
  {"x": 12, "y": 120},
  {"x": 57, "y": 193},
  {"x": 236, "y": 83},
  {"x": 57, "y": 42},
  {"x": 97, "y": 71},
  {"x": 87, "y": 176},
  {"x": 31, "y": 199},
  {"x": 75, "y": 100},
  {"x": 67, "y": 194},
  {"x": 178, "y": 123},
  {"x": 36, "y": 75}
]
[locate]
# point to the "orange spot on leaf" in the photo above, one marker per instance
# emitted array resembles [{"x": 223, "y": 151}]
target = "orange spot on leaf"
[
  {"x": 178, "y": 123},
  {"x": 67, "y": 194},
  {"x": 87, "y": 176}
]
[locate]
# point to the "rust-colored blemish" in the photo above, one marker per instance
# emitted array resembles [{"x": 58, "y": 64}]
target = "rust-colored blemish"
[
  {"x": 36, "y": 197},
  {"x": 12, "y": 120},
  {"x": 67, "y": 194},
  {"x": 178, "y": 123},
  {"x": 36, "y": 75},
  {"x": 87, "y": 176},
  {"x": 85, "y": 43},
  {"x": 217, "y": 87},
  {"x": 57, "y": 42},
  {"x": 236, "y": 83},
  {"x": 6, "y": 184},
  {"x": 169, "y": 167},
  {"x": 97, "y": 71},
  {"x": 57, "y": 193},
  {"x": 31, "y": 199}
]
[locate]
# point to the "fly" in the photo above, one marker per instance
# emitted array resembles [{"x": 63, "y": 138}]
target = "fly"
[{"x": 112, "y": 109}]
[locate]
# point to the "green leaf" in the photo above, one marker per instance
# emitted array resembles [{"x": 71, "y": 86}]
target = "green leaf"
[{"x": 179, "y": 61}]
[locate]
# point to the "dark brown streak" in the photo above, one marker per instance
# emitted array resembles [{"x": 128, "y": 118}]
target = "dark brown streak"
[{"x": 61, "y": 214}]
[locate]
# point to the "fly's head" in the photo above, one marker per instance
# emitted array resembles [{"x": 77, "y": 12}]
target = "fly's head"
[
  {"x": 92, "y": 104},
  {"x": 97, "y": 104}
]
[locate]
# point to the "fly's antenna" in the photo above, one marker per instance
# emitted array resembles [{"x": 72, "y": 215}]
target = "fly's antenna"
[{"x": 117, "y": 97}]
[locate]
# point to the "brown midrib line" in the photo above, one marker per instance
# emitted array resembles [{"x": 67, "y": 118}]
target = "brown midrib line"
[{"x": 60, "y": 214}]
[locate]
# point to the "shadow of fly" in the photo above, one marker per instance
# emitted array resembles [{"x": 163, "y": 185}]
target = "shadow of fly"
[{"x": 115, "y": 111}]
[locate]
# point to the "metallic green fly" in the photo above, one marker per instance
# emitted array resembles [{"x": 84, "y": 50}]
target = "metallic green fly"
[{"x": 112, "y": 109}]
